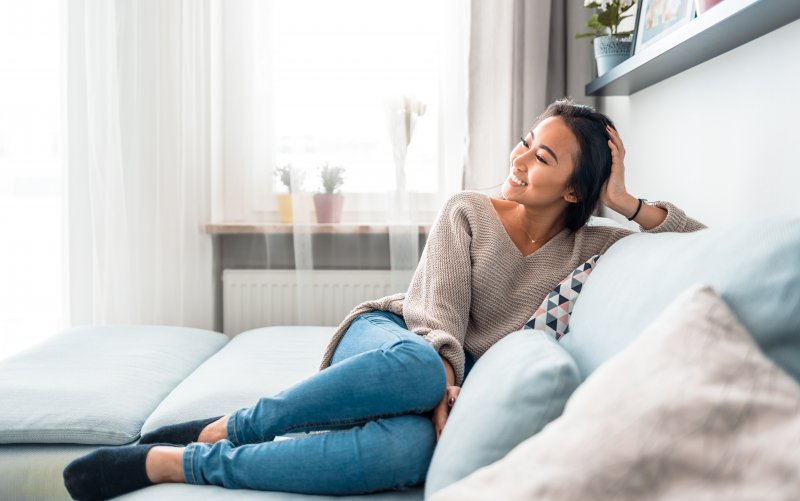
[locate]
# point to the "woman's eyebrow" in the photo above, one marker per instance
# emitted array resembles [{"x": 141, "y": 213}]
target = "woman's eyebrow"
[{"x": 546, "y": 148}]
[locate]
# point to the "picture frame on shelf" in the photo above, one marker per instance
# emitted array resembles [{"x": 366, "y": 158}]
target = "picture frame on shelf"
[{"x": 657, "y": 18}]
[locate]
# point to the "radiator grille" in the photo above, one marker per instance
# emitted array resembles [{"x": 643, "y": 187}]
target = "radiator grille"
[{"x": 260, "y": 298}]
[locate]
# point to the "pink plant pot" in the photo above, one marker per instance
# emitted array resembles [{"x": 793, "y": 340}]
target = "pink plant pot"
[
  {"x": 328, "y": 207},
  {"x": 703, "y": 5}
]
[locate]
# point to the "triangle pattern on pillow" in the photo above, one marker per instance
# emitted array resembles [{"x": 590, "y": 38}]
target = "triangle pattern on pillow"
[{"x": 553, "y": 314}]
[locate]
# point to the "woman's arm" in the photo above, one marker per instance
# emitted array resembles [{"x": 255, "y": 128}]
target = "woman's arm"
[
  {"x": 616, "y": 197},
  {"x": 648, "y": 217},
  {"x": 437, "y": 302}
]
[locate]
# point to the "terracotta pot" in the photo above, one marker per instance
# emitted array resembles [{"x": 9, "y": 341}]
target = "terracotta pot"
[
  {"x": 703, "y": 5},
  {"x": 328, "y": 207},
  {"x": 285, "y": 207}
]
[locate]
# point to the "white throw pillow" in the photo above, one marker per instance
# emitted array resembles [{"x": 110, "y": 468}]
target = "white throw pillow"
[{"x": 690, "y": 410}]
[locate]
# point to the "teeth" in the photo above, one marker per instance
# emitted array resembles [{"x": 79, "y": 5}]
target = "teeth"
[{"x": 518, "y": 180}]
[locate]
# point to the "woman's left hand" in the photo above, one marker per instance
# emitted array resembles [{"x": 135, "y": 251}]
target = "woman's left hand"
[
  {"x": 614, "y": 194},
  {"x": 442, "y": 411}
]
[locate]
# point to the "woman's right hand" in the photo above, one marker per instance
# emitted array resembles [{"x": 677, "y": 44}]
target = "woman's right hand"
[{"x": 442, "y": 410}]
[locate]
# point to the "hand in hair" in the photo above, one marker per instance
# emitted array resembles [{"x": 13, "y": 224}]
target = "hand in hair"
[{"x": 614, "y": 194}]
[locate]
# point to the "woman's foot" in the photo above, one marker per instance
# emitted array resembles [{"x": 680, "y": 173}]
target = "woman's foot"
[
  {"x": 215, "y": 431},
  {"x": 208, "y": 430},
  {"x": 109, "y": 472}
]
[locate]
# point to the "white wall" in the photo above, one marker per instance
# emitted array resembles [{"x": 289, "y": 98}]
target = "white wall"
[{"x": 722, "y": 139}]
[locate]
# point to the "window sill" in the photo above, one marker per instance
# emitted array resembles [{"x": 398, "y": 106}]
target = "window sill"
[{"x": 234, "y": 228}]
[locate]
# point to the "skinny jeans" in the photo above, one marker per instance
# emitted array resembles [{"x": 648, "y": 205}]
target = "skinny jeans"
[{"x": 363, "y": 424}]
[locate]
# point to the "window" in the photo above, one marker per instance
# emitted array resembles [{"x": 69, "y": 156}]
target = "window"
[{"x": 323, "y": 74}]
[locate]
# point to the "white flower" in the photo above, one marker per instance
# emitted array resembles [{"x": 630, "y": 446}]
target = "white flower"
[{"x": 413, "y": 105}]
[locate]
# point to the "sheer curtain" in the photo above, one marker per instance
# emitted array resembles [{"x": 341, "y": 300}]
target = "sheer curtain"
[
  {"x": 31, "y": 302},
  {"x": 140, "y": 116}
]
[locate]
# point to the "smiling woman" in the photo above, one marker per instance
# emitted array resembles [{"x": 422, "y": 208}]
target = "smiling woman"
[{"x": 470, "y": 290}]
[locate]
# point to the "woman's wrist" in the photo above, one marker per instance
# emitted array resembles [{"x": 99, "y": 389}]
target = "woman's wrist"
[
  {"x": 624, "y": 205},
  {"x": 450, "y": 374}
]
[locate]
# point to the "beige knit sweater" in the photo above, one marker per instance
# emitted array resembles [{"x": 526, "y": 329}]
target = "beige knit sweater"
[{"x": 473, "y": 286}]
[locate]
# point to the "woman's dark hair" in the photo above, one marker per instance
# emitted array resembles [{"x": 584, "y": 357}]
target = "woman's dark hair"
[{"x": 593, "y": 161}]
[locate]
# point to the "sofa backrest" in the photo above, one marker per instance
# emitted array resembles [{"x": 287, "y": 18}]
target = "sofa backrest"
[{"x": 753, "y": 265}]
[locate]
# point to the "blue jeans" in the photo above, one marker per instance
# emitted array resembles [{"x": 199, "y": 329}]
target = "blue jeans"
[{"x": 372, "y": 406}]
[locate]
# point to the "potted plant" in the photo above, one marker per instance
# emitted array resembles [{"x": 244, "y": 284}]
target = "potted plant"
[
  {"x": 611, "y": 46},
  {"x": 286, "y": 174},
  {"x": 328, "y": 204}
]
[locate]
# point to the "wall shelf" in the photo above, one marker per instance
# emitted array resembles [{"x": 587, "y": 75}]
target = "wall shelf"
[{"x": 724, "y": 27}]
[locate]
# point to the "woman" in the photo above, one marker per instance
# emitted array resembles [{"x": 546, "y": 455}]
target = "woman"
[{"x": 393, "y": 369}]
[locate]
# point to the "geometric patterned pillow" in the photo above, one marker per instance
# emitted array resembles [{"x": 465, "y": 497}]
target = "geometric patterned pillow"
[{"x": 553, "y": 315}]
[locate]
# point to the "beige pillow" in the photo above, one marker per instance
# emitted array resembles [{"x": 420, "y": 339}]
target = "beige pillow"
[{"x": 690, "y": 410}]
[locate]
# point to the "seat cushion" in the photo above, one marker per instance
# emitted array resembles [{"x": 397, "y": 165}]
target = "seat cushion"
[
  {"x": 514, "y": 390},
  {"x": 256, "y": 363},
  {"x": 753, "y": 265},
  {"x": 691, "y": 410},
  {"x": 96, "y": 385}
]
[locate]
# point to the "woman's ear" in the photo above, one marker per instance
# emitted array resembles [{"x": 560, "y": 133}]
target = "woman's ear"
[{"x": 570, "y": 196}]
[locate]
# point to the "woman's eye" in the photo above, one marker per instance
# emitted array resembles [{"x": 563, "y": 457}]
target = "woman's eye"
[
  {"x": 524, "y": 142},
  {"x": 541, "y": 159}
]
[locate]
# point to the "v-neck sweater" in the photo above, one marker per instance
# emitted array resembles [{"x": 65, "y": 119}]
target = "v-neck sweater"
[{"x": 473, "y": 286}]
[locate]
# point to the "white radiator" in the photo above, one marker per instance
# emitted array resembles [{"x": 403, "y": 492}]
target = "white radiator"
[{"x": 260, "y": 298}]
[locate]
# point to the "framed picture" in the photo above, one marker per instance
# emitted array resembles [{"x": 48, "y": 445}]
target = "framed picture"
[{"x": 656, "y": 18}]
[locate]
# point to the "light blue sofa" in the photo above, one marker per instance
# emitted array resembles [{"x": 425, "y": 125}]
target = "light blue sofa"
[{"x": 106, "y": 385}]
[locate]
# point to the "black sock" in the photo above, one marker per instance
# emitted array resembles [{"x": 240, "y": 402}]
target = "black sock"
[
  {"x": 108, "y": 472},
  {"x": 181, "y": 433}
]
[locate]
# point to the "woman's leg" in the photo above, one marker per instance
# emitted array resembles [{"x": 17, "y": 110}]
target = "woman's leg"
[
  {"x": 383, "y": 378},
  {"x": 389, "y": 453},
  {"x": 380, "y": 370}
]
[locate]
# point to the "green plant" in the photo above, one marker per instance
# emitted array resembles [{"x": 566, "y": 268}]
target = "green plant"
[
  {"x": 607, "y": 18},
  {"x": 332, "y": 178},
  {"x": 285, "y": 173}
]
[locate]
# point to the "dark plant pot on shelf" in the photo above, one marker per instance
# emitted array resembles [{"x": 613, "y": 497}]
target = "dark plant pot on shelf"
[
  {"x": 328, "y": 207},
  {"x": 610, "y": 50}
]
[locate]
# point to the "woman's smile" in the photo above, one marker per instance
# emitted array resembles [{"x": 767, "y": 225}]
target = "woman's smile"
[{"x": 517, "y": 180}]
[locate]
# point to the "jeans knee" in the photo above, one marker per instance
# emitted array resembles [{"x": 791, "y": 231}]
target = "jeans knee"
[
  {"x": 413, "y": 443},
  {"x": 425, "y": 370}
]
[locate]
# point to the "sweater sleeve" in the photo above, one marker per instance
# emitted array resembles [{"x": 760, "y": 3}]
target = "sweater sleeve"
[
  {"x": 438, "y": 300},
  {"x": 676, "y": 221}
]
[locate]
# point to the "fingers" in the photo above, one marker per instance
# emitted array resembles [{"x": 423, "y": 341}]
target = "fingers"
[
  {"x": 442, "y": 410},
  {"x": 452, "y": 395},
  {"x": 615, "y": 140},
  {"x": 439, "y": 420}
]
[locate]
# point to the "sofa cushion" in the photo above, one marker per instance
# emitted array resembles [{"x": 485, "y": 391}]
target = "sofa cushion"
[
  {"x": 255, "y": 363},
  {"x": 518, "y": 386},
  {"x": 553, "y": 314},
  {"x": 753, "y": 265},
  {"x": 691, "y": 410},
  {"x": 96, "y": 385}
]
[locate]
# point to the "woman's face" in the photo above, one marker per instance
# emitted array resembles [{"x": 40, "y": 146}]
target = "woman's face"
[{"x": 540, "y": 172}]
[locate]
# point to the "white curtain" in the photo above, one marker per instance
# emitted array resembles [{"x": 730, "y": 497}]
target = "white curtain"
[
  {"x": 142, "y": 149},
  {"x": 31, "y": 304},
  {"x": 523, "y": 55}
]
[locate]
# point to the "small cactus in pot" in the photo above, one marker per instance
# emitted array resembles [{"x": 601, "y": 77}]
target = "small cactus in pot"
[
  {"x": 328, "y": 204},
  {"x": 291, "y": 178}
]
